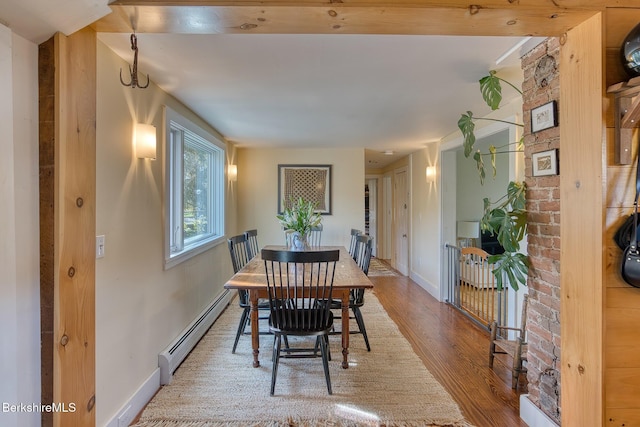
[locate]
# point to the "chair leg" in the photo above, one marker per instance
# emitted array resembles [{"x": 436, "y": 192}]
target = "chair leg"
[
  {"x": 241, "y": 326},
  {"x": 492, "y": 344},
  {"x": 360, "y": 322},
  {"x": 276, "y": 357},
  {"x": 517, "y": 367},
  {"x": 325, "y": 362}
]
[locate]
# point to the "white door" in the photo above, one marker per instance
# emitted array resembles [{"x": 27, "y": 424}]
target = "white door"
[
  {"x": 387, "y": 216},
  {"x": 373, "y": 212},
  {"x": 401, "y": 192}
]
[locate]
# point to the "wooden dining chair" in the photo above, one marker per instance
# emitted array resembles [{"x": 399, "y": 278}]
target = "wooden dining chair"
[
  {"x": 352, "y": 246},
  {"x": 240, "y": 253},
  {"x": 515, "y": 347},
  {"x": 252, "y": 241},
  {"x": 297, "y": 281},
  {"x": 315, "y": 236},
  {"x": 363, "y": 250}
]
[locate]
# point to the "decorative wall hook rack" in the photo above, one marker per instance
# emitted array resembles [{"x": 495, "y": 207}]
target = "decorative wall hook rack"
[
  {"x": 133, "y": 83},
  {"x": 627, "y": 111}
]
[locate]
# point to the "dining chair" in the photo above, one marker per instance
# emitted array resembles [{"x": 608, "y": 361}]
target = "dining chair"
[
  {"x": 240, "y": 255},
  {"x": 296, "y": 282},
  {"x": 315, "y": 236},
  {"x": 252, "y": 241},
  {"x": 363, "y": 251},
  {"x": 352, "y": 246}
]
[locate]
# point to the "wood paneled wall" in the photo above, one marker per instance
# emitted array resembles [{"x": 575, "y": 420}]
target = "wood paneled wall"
[
  {"x": 69, "y": 197},
  {"x": 622, "y": 308},
  {"x": 582, "y": 219}
]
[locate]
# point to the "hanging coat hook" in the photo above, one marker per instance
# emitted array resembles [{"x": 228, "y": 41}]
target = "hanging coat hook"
[{"x": 134, "y": 72}]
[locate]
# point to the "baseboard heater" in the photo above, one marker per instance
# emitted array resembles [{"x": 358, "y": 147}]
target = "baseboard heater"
[{"x": 170, "y": 358}]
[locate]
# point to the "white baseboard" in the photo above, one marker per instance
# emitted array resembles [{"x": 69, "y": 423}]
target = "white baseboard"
[
  {"x": 532, "y": 415},
  {"x": 138, "y": 401},
  {"x": 433, "y": 290}
]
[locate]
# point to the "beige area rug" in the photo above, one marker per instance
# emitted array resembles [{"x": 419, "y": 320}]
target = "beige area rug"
[
  {"x": 380, "y": 268},
  {"x": 388, "y": 386}
]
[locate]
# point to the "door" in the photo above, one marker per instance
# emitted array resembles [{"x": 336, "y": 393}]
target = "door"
[
  {"x": 401, "y": 192},
  {"x": 372, "y": 184}
]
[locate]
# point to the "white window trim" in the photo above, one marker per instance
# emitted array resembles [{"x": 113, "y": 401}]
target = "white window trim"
[{"x": 171, "y": 260}]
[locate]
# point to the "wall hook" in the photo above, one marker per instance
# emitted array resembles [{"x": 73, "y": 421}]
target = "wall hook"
[{"x": 134, "y": 72}]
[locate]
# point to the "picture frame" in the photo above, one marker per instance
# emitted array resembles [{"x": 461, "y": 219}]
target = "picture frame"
[
  {"x": 545, "y": 163},
  {"x": 544, "y": 117},
  {"x": 311, "y": 182}
]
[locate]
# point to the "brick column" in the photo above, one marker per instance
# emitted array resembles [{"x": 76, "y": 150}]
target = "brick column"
[{"x": 541, "y": 85}]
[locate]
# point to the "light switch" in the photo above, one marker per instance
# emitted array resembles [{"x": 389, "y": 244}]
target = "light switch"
[{"x": 100, "y": 246}]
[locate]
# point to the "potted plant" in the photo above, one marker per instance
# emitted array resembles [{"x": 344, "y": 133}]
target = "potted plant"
[
  {"x": 299, "y": 218},
  {"x": 507, "y": 217}
]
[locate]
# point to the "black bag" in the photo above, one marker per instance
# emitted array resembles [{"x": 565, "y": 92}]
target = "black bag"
[
  {"x": 631, "y": 266},
  {"x": 627, "y": 238},
  {"x": 623, "y": 235}
]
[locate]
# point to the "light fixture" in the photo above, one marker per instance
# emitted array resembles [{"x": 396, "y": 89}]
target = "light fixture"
[
  {"x": 430, "y": 173},
  {"x": 145, "y": 141},
  {"x": 468, "y": 231},
  {"x": 388, "y": 152},
  {"x": 232, "y": 172}
]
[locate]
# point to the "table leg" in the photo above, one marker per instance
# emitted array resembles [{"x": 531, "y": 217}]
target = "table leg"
[
  {"x": 345, "y": 329},
  {"x": 255, "y": 330}
]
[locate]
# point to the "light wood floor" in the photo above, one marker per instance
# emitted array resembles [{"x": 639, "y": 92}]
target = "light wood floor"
[{"x": 454, "y": 350}]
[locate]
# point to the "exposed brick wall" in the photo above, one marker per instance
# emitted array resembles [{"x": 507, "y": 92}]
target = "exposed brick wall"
[{"x": 541, "y": 85}]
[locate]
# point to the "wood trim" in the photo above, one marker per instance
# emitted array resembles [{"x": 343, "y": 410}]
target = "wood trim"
[
  {"x": 74, "y": 228},
  {"x": 379, "y": 17},
  {"x": 582, "y": 255}
]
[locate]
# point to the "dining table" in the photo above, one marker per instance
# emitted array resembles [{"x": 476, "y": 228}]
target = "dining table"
[{"x": 348, "y": 276}]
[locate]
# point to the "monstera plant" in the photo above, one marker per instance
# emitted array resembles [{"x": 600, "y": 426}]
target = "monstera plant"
[
  {"x": 491, "y": 89},
  {"x": 506, "y": 217}
]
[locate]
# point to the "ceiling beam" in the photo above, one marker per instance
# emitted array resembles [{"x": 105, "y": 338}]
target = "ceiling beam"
[{"x": 429, "y": 17}]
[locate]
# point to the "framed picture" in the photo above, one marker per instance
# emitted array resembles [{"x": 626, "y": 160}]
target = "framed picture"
[
  {"x": 311, "y": 182},
  {"x": 545, "y": 163},
  {"x": 544, "y": 117}
]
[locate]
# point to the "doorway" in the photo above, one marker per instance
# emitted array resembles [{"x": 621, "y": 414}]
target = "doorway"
[{"x": 401, "y": 214}]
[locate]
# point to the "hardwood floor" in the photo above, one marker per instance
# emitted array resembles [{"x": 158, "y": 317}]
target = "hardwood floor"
[{"x": 454, "y": 349}]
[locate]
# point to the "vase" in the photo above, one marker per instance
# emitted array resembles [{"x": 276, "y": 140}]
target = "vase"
[
  {"x": 630, "y": 52},
  {"x": 299, "y": 241}
]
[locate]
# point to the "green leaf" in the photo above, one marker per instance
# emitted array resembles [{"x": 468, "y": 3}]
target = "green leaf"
[
  {"x": 491, "y": 90},
  {"x": 515, "y": 266},
  {"x": 492, "y": 151},
  {"x": 466, "y": 126},
  {"x": 479, "y": 165}
]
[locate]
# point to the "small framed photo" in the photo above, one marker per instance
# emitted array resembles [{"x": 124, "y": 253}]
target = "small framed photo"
[
  {"x": 544, "y": 117},
  {"x": 545, "y": 163}
]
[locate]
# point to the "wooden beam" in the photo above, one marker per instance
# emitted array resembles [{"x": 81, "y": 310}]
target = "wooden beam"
[
  {"x": 582, "y": 257},
  {"x": 503, "y": 18},
  {"x": 74, "y": 375}
]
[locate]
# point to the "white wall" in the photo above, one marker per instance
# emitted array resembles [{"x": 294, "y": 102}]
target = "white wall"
[
  {"x": 258, "y": 191},
  {"x": 469, "y": 191},
  {"x": 140, "y": 308},
  {"x": 425, "y": 220},
  {"x": 19, "y": 228}
]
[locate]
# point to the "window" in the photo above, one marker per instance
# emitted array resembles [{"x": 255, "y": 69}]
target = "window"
[{"x": 194, "y": 189}]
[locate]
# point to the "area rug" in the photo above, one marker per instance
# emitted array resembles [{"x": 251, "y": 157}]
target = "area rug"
[
  {"x": 388, "y": 386},
  {"x": 380, "y": 268}
]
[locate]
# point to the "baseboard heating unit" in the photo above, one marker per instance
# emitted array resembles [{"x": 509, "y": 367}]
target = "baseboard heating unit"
[{"x": 170, "y": 358}]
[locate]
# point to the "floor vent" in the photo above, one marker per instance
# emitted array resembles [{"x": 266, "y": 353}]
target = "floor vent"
[{"x": 170, "y": 358}]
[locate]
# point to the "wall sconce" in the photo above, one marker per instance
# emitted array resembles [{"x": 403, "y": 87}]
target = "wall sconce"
[
  {"x": 430, "y": 173},
  {"x": 145, "y": 141},
  {"x": 232, "y": 172}
]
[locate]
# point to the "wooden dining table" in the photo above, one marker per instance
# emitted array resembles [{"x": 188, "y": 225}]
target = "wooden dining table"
[{"x": 253, "y": 279}]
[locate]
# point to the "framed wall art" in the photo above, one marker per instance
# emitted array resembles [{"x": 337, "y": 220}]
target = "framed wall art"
[
  {"x": 311, "y": 182},
  {"x": 544, "y": 117},
  {"x": 545, "y": 163}
]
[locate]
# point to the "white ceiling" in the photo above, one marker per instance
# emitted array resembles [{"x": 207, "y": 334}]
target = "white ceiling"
[{"x": 378, "y": 92}]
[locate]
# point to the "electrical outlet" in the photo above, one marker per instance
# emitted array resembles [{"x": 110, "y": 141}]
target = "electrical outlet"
[{"x": 100, "y": 246}]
